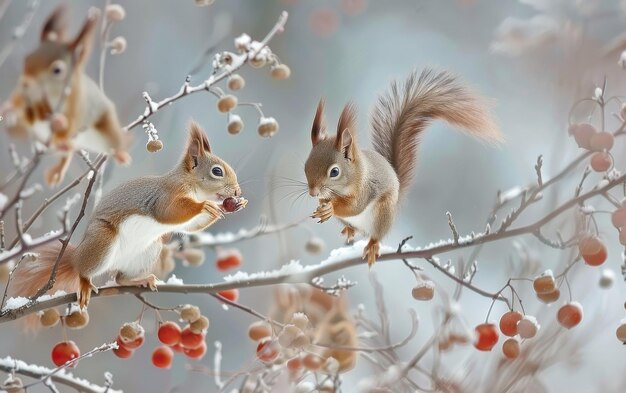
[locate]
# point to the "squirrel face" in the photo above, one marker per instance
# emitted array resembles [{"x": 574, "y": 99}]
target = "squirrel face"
[
  {"x": 46, "y": 69},
  {"x": 209, "y": 176},
  {"x": 332, "y": 167}
]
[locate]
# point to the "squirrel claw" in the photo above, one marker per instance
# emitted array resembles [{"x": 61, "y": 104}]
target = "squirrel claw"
[
  {"x": 324, "y": 212},
  {"x": 349, "y": 233},
  {"x": 371, "y": 252}
]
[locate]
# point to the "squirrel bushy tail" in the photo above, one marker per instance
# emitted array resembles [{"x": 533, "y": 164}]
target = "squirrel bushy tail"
[
  {"x": 405, "y": 111},
  {"x": 31, "y": 276}
]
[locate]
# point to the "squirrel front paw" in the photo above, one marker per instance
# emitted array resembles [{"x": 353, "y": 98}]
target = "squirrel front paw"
[
  {"x": 213, "y": 209},
  {"x": 324, "y": 212},
  {"x": 122, "y": 157}
]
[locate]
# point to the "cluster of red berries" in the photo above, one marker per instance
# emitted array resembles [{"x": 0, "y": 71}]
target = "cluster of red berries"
[
  {"x": 190, "y": 340},
  {"x": 587, "y": 137}
]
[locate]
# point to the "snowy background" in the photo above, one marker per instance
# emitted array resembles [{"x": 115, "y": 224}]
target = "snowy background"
[{"x": 535, "y": 58}]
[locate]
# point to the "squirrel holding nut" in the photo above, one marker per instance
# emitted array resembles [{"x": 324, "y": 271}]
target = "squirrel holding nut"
[
  {"x": 364, "y": 187},
  {"x": 124, "y": 234},
  {"x": 57, "y": 104}
]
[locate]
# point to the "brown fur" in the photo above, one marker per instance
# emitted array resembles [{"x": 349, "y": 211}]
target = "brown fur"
[
  {"x": 169, "y": 199},
  {"x": 402, "y": 114},
  {"x": 35, "y": 97},
  {"x": 377, "y": 179}
]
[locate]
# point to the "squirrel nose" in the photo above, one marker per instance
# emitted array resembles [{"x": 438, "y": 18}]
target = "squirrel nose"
[{"x": 314, "y": 191}]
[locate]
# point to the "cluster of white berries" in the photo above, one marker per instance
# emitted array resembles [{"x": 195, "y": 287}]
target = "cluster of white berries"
[{"x": 115, "y": 13}]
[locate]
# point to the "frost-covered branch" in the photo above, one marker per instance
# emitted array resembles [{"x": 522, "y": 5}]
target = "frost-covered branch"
[
  {"x": 235, "y": 62},
  {"x": 57, "y": 375}
]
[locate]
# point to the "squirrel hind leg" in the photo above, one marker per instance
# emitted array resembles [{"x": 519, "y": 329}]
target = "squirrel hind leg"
[
  {"x": 84, "y": 292},
  {"x": 349, "y": 232},
  {"x": 371, "y": 252},
  {"x": 149, "y": 280},
  {"x": 109, "y": 127}
]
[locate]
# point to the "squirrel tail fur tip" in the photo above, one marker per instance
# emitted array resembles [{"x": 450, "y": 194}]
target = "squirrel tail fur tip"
[
  {"x": 406, "y": 110},
  {"x": 33, "y": 275}
]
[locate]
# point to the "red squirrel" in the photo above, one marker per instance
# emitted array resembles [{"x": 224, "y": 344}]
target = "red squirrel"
[
  {"x": 363, "y": 187},
  {"x": 124, "y": 234},
  {"x": 87, "y": 119}
]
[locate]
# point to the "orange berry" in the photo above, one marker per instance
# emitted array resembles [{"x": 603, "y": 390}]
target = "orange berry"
[
  {"x": 63, "y": 352},
  {"x": 191, "y": 340},
  {"x": 162, "y": 357},
  {"x": 77, "y": 319},
  {"x": 226, "y": 103},
  {"x": 601, "y": 161},
  {"x": 550, "y": 297},
  {"x": 230, "y": 294},
  {"x": 570, "y": 315},
  {"x": 593, "y": 250},
  {"x": 312, "y": 362},
  {"x": 259, "y": 330},
  {"x": 582, "y": 134},
  {"x": 169, "y": 333},
  {"x": 508, "y": 323},
  {"x": 50, "y": 317},
  {"x": 544, "y": 283},
  {"x": 618, "y": 218},
  {"x": 122, "y": 352},
  {"x": 133, "y": 344},
  {"x": 267, "y": 350},
  {"x": 294, "y": 364},
  {"x": 228, "y": 259},
  {"x": 196, "y": 353},
  {"x": 486, "y": 336},
  {"x": 510, "y": 348}
]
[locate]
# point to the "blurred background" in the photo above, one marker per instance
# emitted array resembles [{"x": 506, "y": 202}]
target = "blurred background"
[{"x": 534, "y": 58}]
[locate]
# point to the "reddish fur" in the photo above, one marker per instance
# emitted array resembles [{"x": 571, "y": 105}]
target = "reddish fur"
[{"x": 30, "y": 277}]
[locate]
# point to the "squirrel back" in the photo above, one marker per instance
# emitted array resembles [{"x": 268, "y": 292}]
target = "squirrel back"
[{"x": 405, "y": 111}]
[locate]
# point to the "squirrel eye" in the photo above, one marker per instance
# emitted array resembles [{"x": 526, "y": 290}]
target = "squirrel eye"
[
  {"x": 334, "y": 172},
  {"x": 57, "y": 68},
  {"x": 217, "y": 171}
]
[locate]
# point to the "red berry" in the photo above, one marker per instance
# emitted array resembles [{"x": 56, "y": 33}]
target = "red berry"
[
  {"x": 169, "y": 333},
  {"x": 191, "y": 340},
  {"x": 230, "y": 294},
  {"x": 508, "y": 323},
  {"x": 486, "y": 336},
  {"x": 267, "y": 350},
  {"x": 294, "y": 364},
  {"x": 178, "y": 348},
  {"x": 65, "y": 351},
  {"x": 122, "y": 352},
  {"x": 228, "y": 259},
  {"x": 570, "y": 315},
  {"x": 230, "y": 204},
  {"x": 593, "y": 250},
  {"x": 601, "y": 141},
  {"x": 196, "y": 353},
  {"x": 601, "y": 161},
  {"x": 133, "y": 344},
  {"x": 162, "y": 357},
  {"x": 312, "y": 362}
]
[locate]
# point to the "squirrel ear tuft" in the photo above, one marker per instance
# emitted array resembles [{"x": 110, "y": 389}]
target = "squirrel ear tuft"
[
  {"x": 346, "y": 129},
  {"x": 55, "y": 27},
  {"x": 345, "y": 144},
  {"x": 83, "y": 42},
  {"x": 197, "y": 145},
  {"x": 318, "y": 131}
]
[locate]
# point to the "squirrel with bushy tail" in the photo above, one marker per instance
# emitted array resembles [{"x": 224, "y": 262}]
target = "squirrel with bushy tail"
[{"x": 363, "y": 188}]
